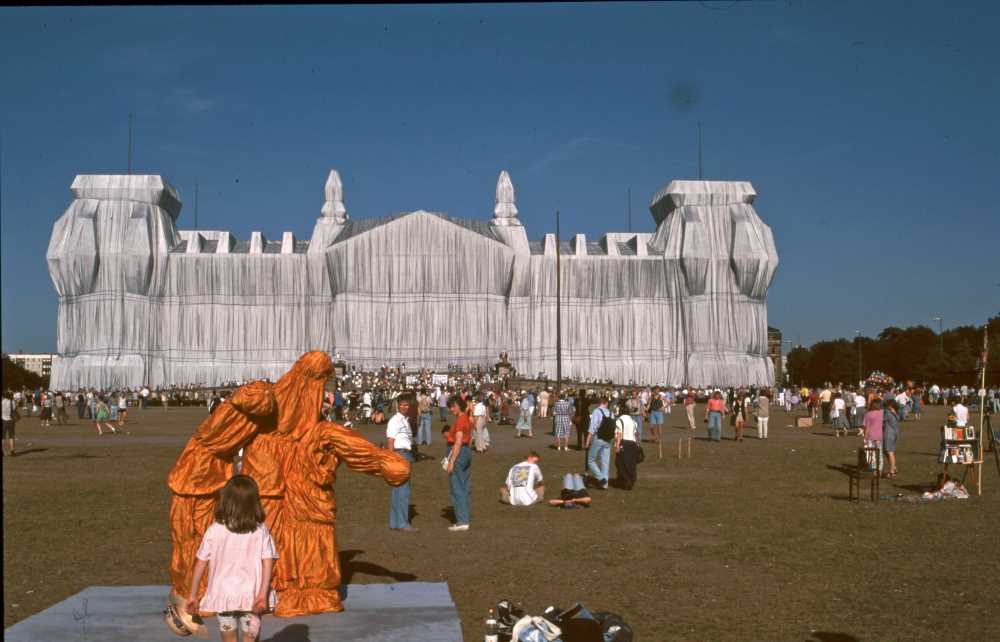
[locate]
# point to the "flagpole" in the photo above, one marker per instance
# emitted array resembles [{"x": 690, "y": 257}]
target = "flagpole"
[{"x": 558, "y": 311}]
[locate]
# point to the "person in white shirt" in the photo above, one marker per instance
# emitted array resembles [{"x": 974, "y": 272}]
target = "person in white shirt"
[
  {"x": 626, "y": 451},
  {"x": 837, "y": 414},
  {"x": 399, "y": 438},
  {"x": 961, "y": 414},
  {"x": 903, "y": 400},
  {"x": 366, "y": 405},
  {"x": 543, "y": 403},
  {"x": 9, "y": 422},
  {"x": 480, "y": 434},
  {"x": 858, "y": 422},
  {"x": 524, "y": 483},
  {"x": 122, "y": 408}
]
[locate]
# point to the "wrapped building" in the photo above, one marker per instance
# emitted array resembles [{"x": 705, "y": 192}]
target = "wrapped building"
[{"x": 143, "y": 302}]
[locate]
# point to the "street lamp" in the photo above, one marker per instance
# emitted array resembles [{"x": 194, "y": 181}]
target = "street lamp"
[
  {"x": 784, "y": 370},
  {"x": 857, "y": 340},
  {"x": 940, "y": 321}
]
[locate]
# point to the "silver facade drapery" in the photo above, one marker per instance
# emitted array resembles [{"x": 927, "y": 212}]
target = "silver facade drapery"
[{"x": 141, "y": 302}]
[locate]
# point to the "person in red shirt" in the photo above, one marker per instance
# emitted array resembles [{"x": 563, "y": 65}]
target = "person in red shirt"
[
  {"x": 459, "y": 462},
  {"x": 713, "y": 415}
]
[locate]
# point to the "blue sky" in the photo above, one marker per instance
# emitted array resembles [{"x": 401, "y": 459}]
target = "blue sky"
[{"x": 870, "y": 130}]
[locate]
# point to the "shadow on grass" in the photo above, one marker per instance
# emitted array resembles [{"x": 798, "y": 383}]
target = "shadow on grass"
[
  {"x": 291, "y": 633},
  {"x": 349, "y": 566},
  {"x": 22, "y": 453},
  {"x": 448, "y": 513},
  {"x": 918, "y": 488},
  {"x": 845, "y": 469},
  {"x": 827, "y": 636}
]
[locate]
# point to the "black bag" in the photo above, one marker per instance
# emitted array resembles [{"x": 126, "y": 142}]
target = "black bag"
[
  {"x": 606, "y": 429},
  {"x": 578, "y": 625},
  {"x": 641, "y": 455},
  {"x": 614, "y": 628}
]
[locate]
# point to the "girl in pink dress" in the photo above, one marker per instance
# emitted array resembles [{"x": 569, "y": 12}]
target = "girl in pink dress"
[{"x": 239, "y": 553}]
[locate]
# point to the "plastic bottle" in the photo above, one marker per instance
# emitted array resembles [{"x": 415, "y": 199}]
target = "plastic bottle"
[{"x": 492, "y": 630}]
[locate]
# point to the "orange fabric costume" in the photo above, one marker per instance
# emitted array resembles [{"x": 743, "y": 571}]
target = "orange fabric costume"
[{"x": 293, "y": 457}]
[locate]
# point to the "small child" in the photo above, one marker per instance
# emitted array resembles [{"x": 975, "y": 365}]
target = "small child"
[{"x": 239, "y": 553}]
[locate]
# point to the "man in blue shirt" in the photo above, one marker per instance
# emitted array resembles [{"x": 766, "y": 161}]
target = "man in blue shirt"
[{"x": 598, "y": 449}]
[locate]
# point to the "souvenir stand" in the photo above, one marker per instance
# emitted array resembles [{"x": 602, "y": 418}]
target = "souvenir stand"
[{"x": 963, "y": 445}]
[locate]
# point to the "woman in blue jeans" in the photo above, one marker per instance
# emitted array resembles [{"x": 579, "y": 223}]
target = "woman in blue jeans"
[
  {"x": 459, "y": 436},
  {"x": 714, "y": 411}
]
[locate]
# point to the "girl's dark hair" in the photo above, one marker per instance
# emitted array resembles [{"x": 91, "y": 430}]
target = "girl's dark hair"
[
  {"x": 239, "y": 508},
  {"x": 891, "y": 403},
  {"x": 876, "y": 404},
  {"x": 455, "y": 402}
]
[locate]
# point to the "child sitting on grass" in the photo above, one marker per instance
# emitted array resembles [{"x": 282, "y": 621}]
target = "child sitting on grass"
[{"x": 239, "y": 553}]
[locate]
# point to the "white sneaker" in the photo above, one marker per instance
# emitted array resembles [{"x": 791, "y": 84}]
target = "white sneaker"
[{"x": 458, "y": 527}]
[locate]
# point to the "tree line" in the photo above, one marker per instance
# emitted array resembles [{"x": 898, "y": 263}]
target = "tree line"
[
  {"x": 916, "y": 353},
  {"x": 15, "y": 377}
]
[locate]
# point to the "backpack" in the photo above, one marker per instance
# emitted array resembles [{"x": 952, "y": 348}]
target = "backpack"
[{"x": 606, "y": 429}]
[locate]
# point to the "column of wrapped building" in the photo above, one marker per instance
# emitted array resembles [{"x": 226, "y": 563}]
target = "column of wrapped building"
[{"x": 141, "y": 302}]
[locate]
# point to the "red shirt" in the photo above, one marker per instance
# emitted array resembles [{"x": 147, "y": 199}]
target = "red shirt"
[
  {"x": 716, "y": 405},
  {"x": 462, "y": 424}
]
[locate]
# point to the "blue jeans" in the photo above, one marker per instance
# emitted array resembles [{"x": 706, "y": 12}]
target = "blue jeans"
[
  {"x": 458, "y": 484},
  {"x": 444, "y": 413},
  {"x": 399, "y": 500},
  {"x": 572, "y": 481},
  {"x": 715, "y": 425},
  {"x": 114, "y": 412},
  {"x": 602, "y": 449},
  {"x": 424, "y": 430},
  {"x": 638, "y": 426}
]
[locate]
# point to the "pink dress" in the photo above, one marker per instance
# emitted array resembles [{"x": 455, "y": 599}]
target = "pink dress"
[
  {"x": 873, "y": 425},
  {"x": 234, "y": 568}
]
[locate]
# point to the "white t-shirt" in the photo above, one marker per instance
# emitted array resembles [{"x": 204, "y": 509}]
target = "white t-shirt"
[
  {"x": 479, "y": 410},
  {"x": 8, "y": 409},
  {"x": 838, "y": 405},
  {"x": 961, "y": 415},
  {"x": 859, "y": 401},
  {"x": 399, "y": 430},
  {"x": 902, "y": 399},
  {"x": 521, "y": 481},
  {"x": 625, "y": 426}
]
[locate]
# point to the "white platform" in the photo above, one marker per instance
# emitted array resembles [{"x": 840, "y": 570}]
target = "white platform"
[{"x": 407, "y": 611}]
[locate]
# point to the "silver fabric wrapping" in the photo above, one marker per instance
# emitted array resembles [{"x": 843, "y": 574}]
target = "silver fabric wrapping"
[{"x": 141, "y": 302}]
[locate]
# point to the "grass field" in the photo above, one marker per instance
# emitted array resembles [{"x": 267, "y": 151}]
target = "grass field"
[{"x": 744, "y": 541}]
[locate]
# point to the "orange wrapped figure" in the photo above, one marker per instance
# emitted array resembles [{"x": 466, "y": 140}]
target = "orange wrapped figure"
[{"x": 293, "y": 456}]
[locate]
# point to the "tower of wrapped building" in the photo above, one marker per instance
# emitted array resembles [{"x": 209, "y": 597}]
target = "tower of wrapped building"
[{"x": 142, "y": 302}]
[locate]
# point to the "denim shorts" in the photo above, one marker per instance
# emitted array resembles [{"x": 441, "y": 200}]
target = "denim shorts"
[{"x": 656, "y": 417}]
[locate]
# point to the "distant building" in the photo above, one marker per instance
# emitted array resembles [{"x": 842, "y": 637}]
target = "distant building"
[
  {"x": 143, "y": 302},
  {"x": 774, "y": 344},
  {"x": 40, "y": 364}
]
